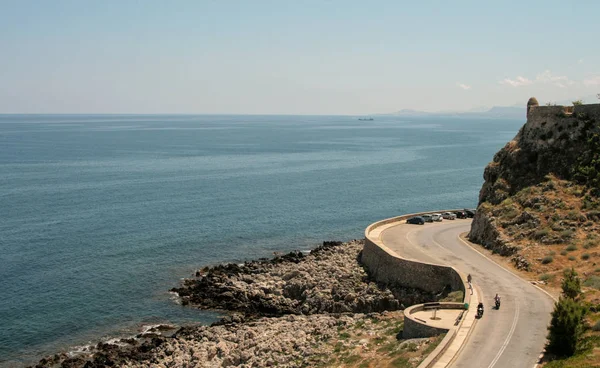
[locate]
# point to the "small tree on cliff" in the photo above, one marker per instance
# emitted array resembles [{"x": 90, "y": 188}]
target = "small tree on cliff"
[
  {"x": 571, "y": 284},
  {"x": 566, "y": 326}
]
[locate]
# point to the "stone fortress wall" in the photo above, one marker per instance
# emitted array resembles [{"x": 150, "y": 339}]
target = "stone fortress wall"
[
  {"x": 540, "y": 112},
  {"x": 545, "y": 124}
]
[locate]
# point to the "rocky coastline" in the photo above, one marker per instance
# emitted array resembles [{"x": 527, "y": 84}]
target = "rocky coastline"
[{"x": 293, "y": 310}]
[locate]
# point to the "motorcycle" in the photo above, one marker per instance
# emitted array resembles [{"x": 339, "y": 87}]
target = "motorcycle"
[
  {"x": 479, "y": 311},
  {"x": 497, "y": 303}
]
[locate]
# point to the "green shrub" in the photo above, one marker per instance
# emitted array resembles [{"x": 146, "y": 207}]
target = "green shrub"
[
  {"x": 338, "y": 347},
  {"x": 593, "y": 282},
  {"x": 585, "y": 256},
  {"x": 590, "y": 244},
  {"x": 455, "y": 296},
  {"x": 511, "y": 213},
  {"x": 344, "y": 335},
  {"x": 352, "y": 359},
  {"x": 547, "y": 259},
  {"x": 541, "y": 233},
  {"x": 508, "y": 202},
  {"x": 596, "y": 327},
  {"x": 566, "y": 234},
  {"x": 571, "y": 284},
  {"x": 546, "y": 277},
  {"x": 563, "y": 252},
  {"x": 400, "y": 362},
  {"x": 594, "y": 214},
  {"x": 566, "y": 327},
  {"x": 571, "y": 258},
  {"x": 589, "y": 203},
  {"x": 571, "y": 247},
  {"x": 412, "y": 347}
]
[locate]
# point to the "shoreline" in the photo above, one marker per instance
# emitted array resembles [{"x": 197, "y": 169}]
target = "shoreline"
[{"x": 290, "y": 310}]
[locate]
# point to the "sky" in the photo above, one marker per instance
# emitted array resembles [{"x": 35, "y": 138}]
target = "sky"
[{"x": 294, "y": 57}]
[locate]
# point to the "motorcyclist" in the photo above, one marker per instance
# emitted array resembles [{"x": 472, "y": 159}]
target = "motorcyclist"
[
  {"x": 480, "y": 309},
  {"x": 497, "y": 300}
]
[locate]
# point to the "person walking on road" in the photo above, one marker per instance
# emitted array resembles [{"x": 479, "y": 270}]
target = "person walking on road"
[{"x": 469, "y": 278}]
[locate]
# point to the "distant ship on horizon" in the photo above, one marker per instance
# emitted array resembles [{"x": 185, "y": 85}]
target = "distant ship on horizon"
[{"x": 365, "y": 119}]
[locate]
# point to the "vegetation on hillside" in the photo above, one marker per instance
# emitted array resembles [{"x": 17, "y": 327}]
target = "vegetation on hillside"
[
  {"x": 555, "y": 228},
  {"x": 376, "y": 342},
  {"x": 554, "y": 224},
  {"x": 540, "y": 204},
  {"x": 573, "y": 341},
  {"x": 567, "y": 324},
  {"x": 587, "y": 169}
]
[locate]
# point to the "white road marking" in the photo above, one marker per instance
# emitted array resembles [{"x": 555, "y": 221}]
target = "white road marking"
[
  {"x": 515, "y": 320},
  {"x": 491, "y": 260},
  {"x": 510, "y": 333}
]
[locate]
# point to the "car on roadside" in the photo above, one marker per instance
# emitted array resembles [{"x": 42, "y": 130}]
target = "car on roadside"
[
  {"x": 470, "y": 213},
  {"x": 417, "y": 220},
  {"x": 460, "y": 214},
  {"x": 449, "y": 216},
  {"x": 436, "y": 217},
  {"x": 427, "y": 218}
]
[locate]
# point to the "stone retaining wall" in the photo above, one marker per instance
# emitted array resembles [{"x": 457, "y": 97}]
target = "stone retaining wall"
[
  {"x": 414, "y": 328},
  {"x": 385, "y": 266}
]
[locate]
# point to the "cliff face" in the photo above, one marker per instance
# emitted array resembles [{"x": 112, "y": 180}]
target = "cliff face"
[{"x": 556, "y": 144}]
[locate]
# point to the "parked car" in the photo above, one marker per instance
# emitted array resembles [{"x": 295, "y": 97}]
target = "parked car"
[
  {"x": 449, "y": 216},
  {"x": 470, "y": 213},
  {"x": 460, "y": 214},
  {"x": 427, "y": 218},
  {"x": 417, "y": 220},
  {"x": 436, "y": 217}
]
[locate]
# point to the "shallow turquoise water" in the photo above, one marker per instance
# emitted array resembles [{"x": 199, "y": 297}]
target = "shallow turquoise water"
[{"x": 103, "y": 214}]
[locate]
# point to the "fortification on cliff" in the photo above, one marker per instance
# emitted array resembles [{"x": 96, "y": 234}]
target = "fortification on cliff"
[
  {"x": 561, "y": 141},
  {"x": 540, "y": 205}
]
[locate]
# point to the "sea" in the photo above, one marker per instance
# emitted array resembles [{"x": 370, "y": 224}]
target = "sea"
[{"x": 101, "y": 215}]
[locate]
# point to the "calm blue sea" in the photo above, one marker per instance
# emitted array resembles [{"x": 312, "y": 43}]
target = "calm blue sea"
[{"x": 100, "y": 215}]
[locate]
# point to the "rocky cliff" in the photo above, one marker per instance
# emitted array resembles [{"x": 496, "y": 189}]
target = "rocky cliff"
[{"x": 543, "y": 186}]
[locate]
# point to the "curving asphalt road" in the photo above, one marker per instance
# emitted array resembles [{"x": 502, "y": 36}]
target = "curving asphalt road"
[{"x": 511, "y": 337}]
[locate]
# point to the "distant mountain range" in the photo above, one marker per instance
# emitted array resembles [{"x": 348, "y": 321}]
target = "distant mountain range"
[
  {"x": 517, "y": 111},
  {"x": 496, "y": 111}
]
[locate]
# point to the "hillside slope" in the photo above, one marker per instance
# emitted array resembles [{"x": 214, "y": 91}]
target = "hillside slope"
[{"x": 540, "y": 204}]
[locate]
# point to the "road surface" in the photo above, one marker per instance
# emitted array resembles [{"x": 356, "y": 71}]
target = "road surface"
[{"x": 511, "y": 337}]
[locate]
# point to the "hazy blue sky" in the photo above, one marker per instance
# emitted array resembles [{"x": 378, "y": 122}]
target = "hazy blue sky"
[{"x": 293, "y": 57}]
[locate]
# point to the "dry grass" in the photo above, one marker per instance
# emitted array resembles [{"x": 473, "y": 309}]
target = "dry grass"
[
  {"x": 566, "y": 234},
  {"x": 564, "y": 237},
  {"x": 373, "y": 343}
]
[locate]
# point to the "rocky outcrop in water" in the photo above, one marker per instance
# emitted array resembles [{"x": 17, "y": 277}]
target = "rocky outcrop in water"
[
  {"x": 282, "y": 312},
  {"x": 328, "y": 280}
]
